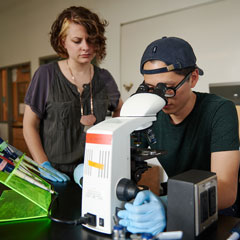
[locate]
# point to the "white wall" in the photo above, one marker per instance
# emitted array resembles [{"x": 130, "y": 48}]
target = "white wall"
[
  {"x": 25, "y": 26},
  {"x": 210, "y": 28}
]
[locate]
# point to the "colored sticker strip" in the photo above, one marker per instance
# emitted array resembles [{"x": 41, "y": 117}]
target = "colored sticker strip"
[
  {"x": 105, "y": 139},
  {"x": 96, "y": 165}
]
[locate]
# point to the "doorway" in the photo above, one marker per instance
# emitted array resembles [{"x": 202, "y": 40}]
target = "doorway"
[{"x": 14, "y": 81}]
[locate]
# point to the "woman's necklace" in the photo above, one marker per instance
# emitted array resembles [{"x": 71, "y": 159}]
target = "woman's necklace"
[{"x": 90, "y": 119}]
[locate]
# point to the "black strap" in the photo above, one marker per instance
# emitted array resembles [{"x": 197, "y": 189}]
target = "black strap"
[
  {"x": 155, "y": 71},
  {"x": 169, "y": 68}
]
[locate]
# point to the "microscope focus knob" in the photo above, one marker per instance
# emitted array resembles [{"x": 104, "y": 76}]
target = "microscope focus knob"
[{"x": 126, "y": 190}]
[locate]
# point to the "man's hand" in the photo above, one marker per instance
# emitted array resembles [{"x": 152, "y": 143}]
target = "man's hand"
[{"x": 145, "y": 215}]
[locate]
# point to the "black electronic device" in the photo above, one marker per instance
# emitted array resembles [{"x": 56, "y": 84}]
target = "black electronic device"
[{"x": 192, "y": 202}]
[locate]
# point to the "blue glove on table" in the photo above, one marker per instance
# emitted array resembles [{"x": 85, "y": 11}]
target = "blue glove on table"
[
  {"x": 78, "y": 174},
  {"x": 145, "y": 215},
  {"x": 56, "y": 176}
]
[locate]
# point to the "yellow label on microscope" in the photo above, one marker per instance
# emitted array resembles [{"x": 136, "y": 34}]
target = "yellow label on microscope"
[{"x": 96, "y": 165}]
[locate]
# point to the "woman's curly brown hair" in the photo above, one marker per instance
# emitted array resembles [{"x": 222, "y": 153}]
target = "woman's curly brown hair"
[{"x": 92, "y": 23}]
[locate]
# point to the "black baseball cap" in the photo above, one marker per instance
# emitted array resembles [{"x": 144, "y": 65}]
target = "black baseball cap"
[{"x": 175, "y": 52}]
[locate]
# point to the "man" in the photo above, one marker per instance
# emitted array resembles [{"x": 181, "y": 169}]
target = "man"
[{"x": 198, "y": 131}]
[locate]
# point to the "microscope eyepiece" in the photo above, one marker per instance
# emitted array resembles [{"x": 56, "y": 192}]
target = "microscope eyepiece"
[{"x": 159, "y": 90}]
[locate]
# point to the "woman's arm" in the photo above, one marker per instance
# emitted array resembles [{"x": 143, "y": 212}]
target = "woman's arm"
[
  {"x": 116, "y": 112},
  {"x": 31, "y": 135}
]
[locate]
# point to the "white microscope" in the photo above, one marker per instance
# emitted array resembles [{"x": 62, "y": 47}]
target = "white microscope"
[{"x": 107, "y": 160}]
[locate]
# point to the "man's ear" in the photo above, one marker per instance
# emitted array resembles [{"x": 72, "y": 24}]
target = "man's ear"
[{"x": 194, "y": 78}]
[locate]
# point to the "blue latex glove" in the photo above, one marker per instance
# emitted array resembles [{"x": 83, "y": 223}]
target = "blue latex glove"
[
  {"x": 145, "y": 215},
  {"x": 78, "y": 174},
  {"x": 56, "y": 177}
]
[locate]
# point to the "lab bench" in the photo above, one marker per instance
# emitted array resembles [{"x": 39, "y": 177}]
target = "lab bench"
[{"x": 68, "y": 206}]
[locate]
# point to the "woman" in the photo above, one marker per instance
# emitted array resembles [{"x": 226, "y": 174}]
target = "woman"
[{"x": 66, "y": 97}]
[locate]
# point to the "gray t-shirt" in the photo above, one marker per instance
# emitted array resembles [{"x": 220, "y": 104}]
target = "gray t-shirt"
[{"x": 57, "y": 103}]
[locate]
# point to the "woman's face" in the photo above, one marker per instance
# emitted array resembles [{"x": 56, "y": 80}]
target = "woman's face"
[{"x": 77, "y": 45}]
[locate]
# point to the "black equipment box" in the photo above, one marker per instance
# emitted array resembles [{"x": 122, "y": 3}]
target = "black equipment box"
[{"x": 192, "y": 202}]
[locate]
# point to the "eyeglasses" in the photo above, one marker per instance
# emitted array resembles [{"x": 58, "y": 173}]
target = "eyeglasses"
[
  {"x": 171, "y": 91},
  {"x": 161, "y": 89}
]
